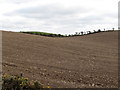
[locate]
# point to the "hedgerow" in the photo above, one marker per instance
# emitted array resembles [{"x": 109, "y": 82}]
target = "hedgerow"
[{"x": 70, "y": 35}]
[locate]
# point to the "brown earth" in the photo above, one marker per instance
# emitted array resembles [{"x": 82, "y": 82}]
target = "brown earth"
[{"x": 89, "y": 61}]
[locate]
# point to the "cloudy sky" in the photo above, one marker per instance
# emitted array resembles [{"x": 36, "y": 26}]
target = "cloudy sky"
[{"x": 58, "y": 16}]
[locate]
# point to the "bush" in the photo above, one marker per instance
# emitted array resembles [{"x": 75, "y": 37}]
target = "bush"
[{"x": 20, "y": 83}]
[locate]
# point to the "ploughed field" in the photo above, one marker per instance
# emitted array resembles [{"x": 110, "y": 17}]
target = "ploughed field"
[{"x": 89, "y": 61}]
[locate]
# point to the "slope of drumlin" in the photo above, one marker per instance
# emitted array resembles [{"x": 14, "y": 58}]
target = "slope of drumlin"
[{"x": 80, "y": 61}]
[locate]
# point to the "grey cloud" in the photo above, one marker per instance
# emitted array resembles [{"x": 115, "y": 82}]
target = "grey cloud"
[
  {"x": 76, "y": 21},
  {"x": 56, "y": 14},
  {"x": 111, "y": 15},
  {"x": 53, "y": 15},
  {"x": 48, "y": 12},
  {"x": 99, "y": 19},
  {"x": 17, "y": 1},
  {"x": 94, "y": 19}
]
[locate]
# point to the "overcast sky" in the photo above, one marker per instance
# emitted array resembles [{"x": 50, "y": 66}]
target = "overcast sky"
[{"x": 58, "y": 16}]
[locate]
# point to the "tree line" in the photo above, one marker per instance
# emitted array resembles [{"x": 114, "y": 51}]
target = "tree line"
[{"x": 70, "y": 35}]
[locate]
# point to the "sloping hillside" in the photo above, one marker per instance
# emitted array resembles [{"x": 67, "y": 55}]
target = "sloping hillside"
[{"x": 81, "y": 61}]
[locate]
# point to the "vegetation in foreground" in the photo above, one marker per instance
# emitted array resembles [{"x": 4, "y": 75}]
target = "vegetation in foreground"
[{"x": 20, "y": 83}]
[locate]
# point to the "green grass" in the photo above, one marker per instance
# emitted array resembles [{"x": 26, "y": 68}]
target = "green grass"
[{"x": 44, "y": 34}]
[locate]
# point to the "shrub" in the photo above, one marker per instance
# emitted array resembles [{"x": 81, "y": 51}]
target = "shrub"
[{"x": 20, "y": 83}]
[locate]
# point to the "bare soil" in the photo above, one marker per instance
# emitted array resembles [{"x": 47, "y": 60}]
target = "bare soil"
[{"x": 89, "y": 61}]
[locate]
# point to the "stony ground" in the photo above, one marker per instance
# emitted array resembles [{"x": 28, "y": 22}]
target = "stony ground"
[{"x": 74, "y": 62}]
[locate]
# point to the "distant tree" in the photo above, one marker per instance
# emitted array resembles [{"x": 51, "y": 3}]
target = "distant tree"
[
  {"x": 113, "y": 29},
  {"x": 82, "y": 33},
  {"x": 76, "y": 33},
  {"x": 55, "y": 35},
  {"x": 99, "y": 30},
  {"x": 94, "y": 31},
  {"x": 104, "y": 29},
  {"x": 88, "y": 32},
  {"x": 59, "y": 35}
]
